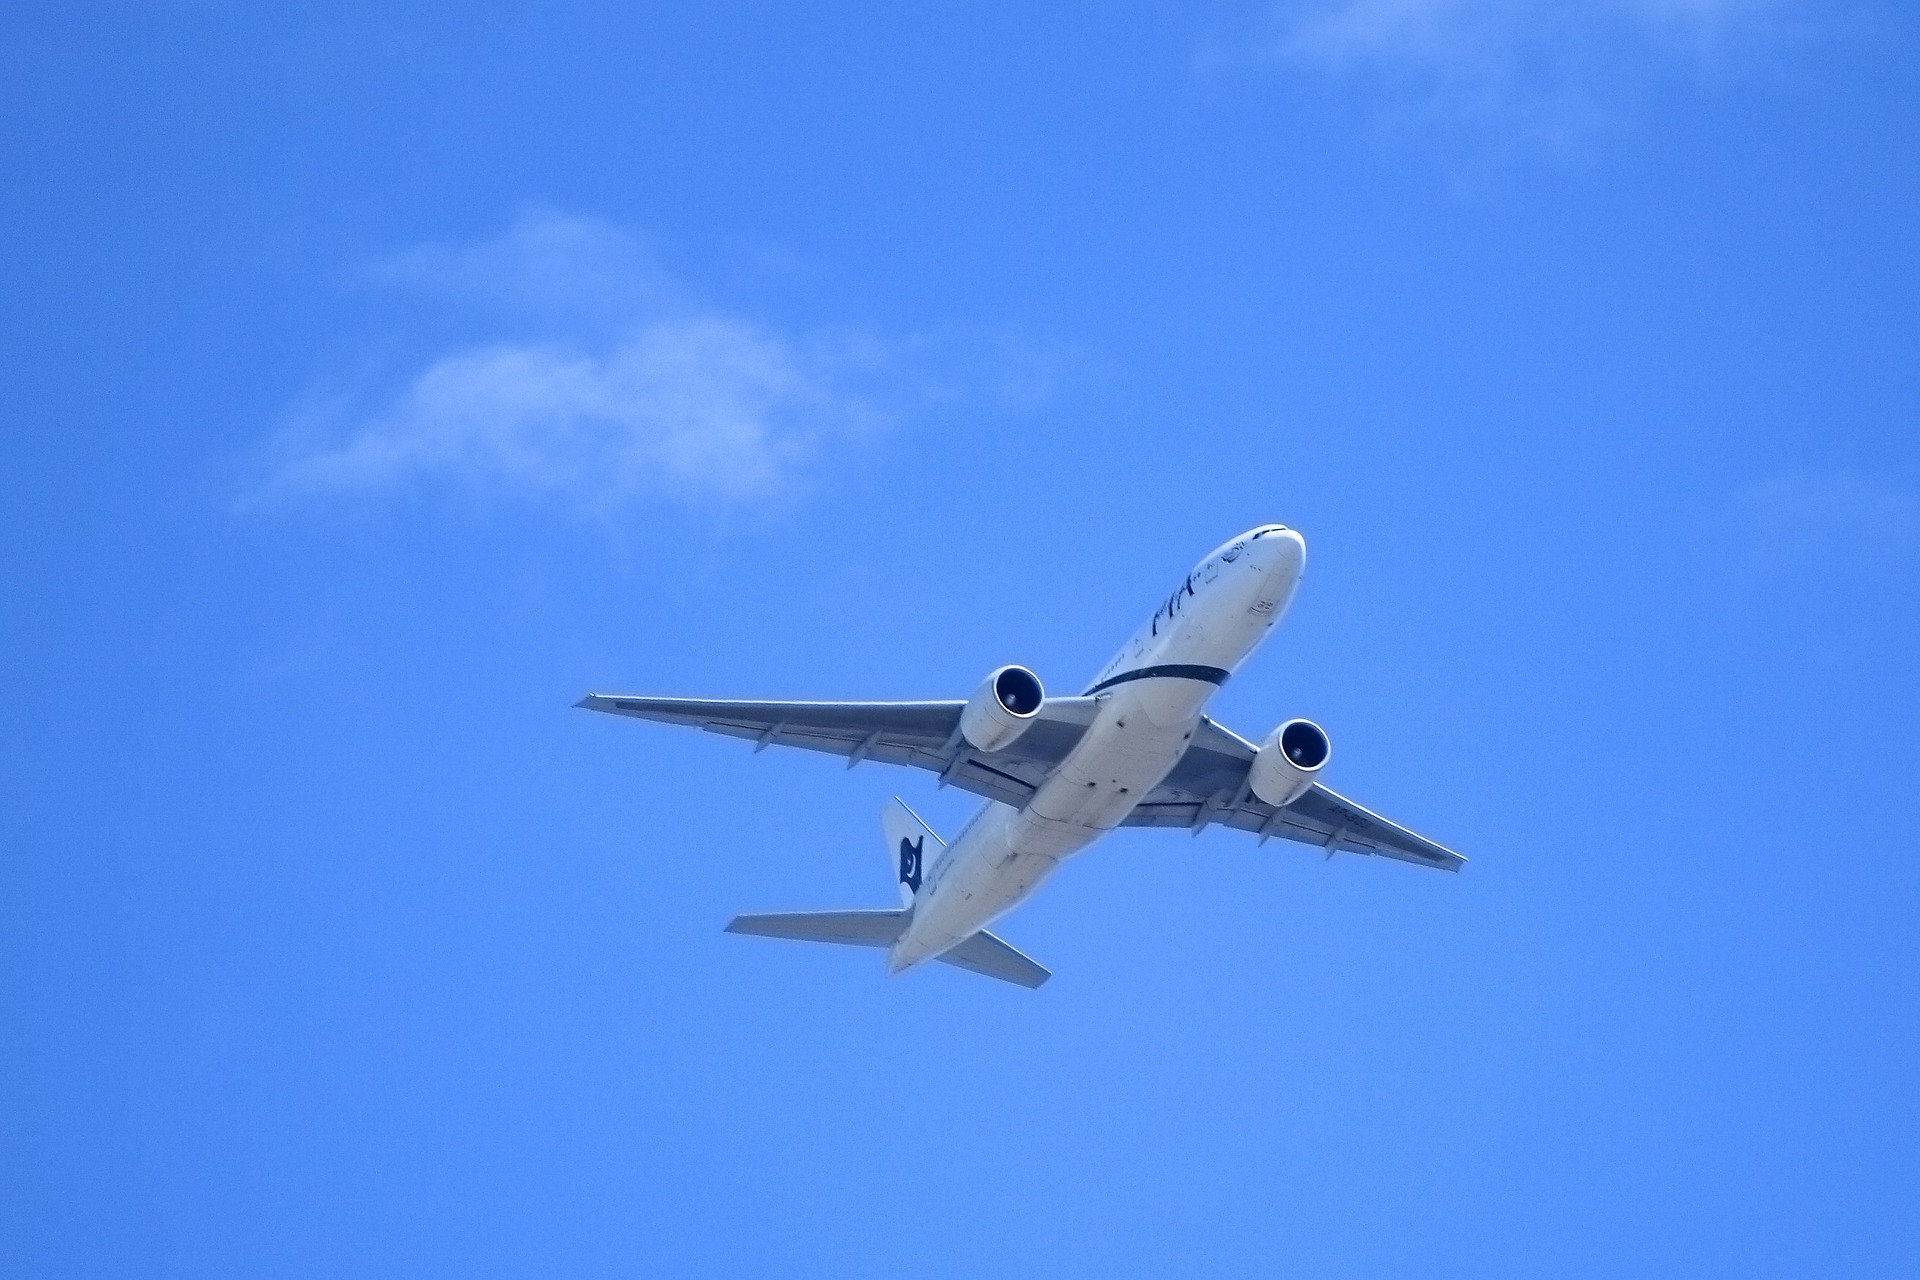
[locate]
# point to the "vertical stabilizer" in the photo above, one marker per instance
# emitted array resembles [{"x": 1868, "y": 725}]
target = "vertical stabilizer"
[{"x": 912, "y": 847}]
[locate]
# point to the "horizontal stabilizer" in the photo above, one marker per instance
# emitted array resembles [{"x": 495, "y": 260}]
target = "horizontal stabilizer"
[
  {"x": 851, "y": 928},
  {"x": 986, "y": 954}
]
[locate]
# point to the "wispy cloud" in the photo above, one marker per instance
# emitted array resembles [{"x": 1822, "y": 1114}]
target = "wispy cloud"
[
  {"x": 548, "y": 264},
  {"x": 1517, "y": 74},
  {"x": 1825, "y": 521},
  {"x": 630, "y": 387}
]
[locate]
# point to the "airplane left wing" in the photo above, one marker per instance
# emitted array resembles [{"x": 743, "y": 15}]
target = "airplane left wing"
[
  {"x": 1209, "y": 785},
  {"x": 925, "y": 735}
]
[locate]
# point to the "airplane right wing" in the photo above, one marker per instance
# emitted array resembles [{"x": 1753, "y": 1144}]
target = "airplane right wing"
[{"x": 1209, "y": 785}]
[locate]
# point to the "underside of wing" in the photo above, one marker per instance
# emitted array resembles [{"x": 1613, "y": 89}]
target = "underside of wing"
[
  {"x": 924, "y": 735},
  {"x": 1209, "y": 786}
]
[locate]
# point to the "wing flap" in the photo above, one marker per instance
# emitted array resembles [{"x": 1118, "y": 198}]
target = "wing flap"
[{"x": 1356, "y": 827}]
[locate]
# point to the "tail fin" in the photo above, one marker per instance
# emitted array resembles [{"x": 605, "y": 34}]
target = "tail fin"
[{"x": 911, "y": 845}]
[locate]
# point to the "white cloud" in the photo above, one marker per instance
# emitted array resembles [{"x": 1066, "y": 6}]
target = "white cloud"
[
  {"x": 1530, "y": 73},
  {"x": 1806, "y": 521},
  {"x": 546, "y": 264},
  {"x": 631, "y": 391},
  {"x": 1482, "y": 37}
]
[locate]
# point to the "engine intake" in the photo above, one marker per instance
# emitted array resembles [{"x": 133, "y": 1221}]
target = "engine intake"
[
  {"x": 1001, "y": 709},
  {"x": 1288, "y": 762}
]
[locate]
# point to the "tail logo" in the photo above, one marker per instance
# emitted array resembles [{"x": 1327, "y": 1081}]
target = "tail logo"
[{"x": 910, "y": 862}]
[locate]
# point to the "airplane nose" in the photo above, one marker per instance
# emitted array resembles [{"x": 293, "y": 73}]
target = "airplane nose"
[
  {"x": 1279, "y": 556},
  {"x": 1283, "y": 550}
]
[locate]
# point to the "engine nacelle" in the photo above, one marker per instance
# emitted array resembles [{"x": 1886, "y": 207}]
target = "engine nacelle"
[
  {"x": 1288, "y": 762},
  {"x": 1001, "y": 709}
]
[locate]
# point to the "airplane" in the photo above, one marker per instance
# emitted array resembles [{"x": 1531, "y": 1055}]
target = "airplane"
[{"x": 1135, "y": 750}]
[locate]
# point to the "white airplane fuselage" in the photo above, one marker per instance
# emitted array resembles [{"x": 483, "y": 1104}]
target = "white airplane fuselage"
[{"x": 1149, "y": 703}]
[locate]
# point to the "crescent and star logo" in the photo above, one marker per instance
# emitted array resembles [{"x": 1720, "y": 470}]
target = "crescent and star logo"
[{"x": 910, "y": 862}]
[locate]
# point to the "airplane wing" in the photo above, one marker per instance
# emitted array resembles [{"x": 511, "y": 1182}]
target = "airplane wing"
[
  {"x": 925, "y": 735},
  {"x": 1209, "y": 785}
]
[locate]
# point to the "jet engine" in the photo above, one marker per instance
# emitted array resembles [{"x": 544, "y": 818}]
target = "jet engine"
[
  {"x": 1001, "y": 709},
  {"x": 1289, "y": 761}
]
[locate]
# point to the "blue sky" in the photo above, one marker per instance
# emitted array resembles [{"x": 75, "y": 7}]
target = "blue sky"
[{"x": 377, "y": 380}]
